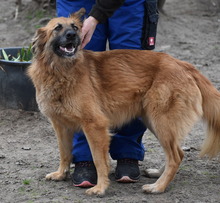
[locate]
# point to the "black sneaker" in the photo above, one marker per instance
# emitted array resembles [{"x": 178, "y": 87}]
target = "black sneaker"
[
  {"x": 85, "y": 174},
  {"x": 127, "y": 171}
]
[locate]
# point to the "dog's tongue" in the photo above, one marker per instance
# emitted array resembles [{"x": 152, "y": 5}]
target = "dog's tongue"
[{"x": 68, "y": 48}]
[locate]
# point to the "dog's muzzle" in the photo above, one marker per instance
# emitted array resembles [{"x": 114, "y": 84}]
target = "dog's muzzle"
[{"x": 67, "y": 44}]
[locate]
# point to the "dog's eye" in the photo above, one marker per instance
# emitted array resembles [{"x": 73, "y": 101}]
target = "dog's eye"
[
  {"x": 75, "y": 28},
  {"x": 58, "y": 27}
]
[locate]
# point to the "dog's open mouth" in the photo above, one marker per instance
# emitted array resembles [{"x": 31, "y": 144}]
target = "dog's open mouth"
[{"x": 67, "y": 50}]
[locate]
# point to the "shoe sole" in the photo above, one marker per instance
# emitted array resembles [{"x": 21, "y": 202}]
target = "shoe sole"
[
  {"x": 126, "y": 179},
  {"x": 84, "y": 184}
]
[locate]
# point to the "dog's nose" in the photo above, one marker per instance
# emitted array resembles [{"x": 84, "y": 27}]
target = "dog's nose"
[{"x": 70, "y": 34}]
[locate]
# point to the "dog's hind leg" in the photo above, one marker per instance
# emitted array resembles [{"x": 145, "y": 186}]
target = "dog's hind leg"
[
  {"x": 172, "y": 109},
  {"x": 98, "y": 137},
  {"x": 64, "y": 138},
  {"x": 174, "y": 156}
]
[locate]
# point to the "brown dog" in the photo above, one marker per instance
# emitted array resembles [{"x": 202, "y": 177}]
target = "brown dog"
[{"x": 95, "y": 91}]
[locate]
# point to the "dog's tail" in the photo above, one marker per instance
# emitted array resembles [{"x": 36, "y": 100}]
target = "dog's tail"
[{"x": 211, "y": 112}]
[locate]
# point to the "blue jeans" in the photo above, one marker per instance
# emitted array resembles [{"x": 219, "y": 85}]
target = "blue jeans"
[{"x": 122, "y": 31}]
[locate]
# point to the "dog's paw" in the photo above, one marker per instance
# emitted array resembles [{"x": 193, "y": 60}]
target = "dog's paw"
[
  {"x": 96, "y": 190},
  {"x": 56, "y": 176},
  {"x": 153, "y": 173},
  {"x": 152, "y": 188}
]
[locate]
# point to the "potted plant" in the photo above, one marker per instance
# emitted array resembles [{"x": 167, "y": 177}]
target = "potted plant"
[{"x": 16, "y": 89}]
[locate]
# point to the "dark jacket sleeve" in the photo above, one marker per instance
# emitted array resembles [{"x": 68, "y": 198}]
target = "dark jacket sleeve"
[{"x": 103, "y": 9}]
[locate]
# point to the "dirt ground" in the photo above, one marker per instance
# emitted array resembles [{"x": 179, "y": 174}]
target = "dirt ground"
[{"x": 28, "y": 148}]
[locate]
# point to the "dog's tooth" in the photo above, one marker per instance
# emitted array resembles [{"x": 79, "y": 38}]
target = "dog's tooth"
[
  {"x": 71, "y": 51},
  {"x": 62, "y": 48}
]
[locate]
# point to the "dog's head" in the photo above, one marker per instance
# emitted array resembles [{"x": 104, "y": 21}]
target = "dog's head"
[{"x": 61, "y": 36}]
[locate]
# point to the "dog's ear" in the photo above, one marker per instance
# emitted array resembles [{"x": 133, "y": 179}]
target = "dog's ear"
[
  {"x": 79, "y": 14},
  {"x": 39, "y": 40}
]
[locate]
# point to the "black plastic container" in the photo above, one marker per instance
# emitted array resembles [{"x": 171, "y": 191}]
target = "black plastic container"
[{"x": 16, "y": 89}]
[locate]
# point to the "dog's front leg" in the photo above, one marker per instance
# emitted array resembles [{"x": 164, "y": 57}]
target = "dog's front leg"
[
  {"x": 64, "y": 138},
  {"x": 98, "y": 137}
]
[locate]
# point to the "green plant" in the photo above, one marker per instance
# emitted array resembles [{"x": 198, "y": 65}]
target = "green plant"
[
  {"x": 38, "y": 14},
  {"x": 24, "y": 55},
  {"x": 26, "y": 182}
]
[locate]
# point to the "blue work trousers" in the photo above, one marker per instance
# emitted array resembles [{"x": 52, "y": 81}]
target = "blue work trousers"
[{"x": 122, "y": 31}]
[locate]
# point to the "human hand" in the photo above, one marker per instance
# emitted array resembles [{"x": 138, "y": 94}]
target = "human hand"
[{"x": 88, "y": 29}]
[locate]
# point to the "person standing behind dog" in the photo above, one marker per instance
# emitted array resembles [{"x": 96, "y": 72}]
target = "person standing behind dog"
[{"x": 125, "y": 24}]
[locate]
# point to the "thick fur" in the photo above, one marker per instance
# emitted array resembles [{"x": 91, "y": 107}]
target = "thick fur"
[{"x": 97, "y": 91}]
